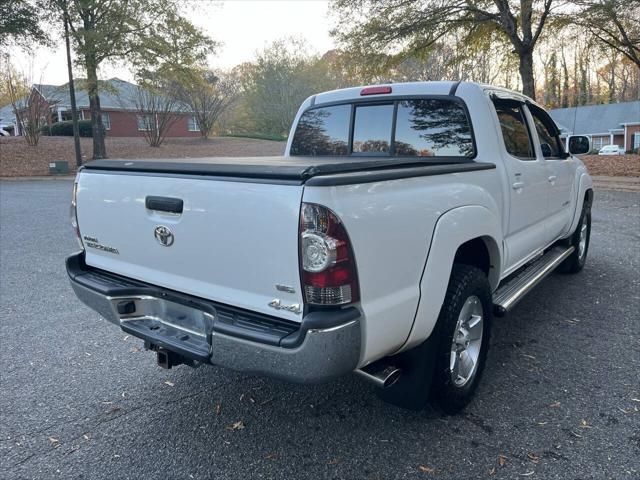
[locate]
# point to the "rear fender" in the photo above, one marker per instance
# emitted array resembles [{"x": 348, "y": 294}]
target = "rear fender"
[{"x": 453, "y": 229}]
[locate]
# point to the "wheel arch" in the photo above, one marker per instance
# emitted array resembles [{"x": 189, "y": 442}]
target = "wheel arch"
[{"x": 470, "y": 234}]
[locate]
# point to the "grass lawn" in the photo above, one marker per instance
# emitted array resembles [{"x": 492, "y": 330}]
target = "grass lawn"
[{"x": 19, "y": 159}]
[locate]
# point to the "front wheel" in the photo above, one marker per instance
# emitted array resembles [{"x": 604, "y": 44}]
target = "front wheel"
[{"x": 580, "y": 241}]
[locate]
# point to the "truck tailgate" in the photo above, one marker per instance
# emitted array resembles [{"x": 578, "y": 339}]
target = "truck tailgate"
[{"x": 233, "y": 242}]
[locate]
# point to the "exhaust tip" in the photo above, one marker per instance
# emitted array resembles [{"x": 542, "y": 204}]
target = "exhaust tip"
[{"x": 380, "y": 374}]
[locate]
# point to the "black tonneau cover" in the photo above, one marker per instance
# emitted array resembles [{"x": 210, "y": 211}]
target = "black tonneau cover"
[{"x": 298, "y": 170}]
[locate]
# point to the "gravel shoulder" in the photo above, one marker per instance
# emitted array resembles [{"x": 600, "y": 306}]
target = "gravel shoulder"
[{"x": 80, "y": 399}]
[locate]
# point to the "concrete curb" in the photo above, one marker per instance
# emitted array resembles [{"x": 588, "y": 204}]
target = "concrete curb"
[
  {"x": 38, "y": 178},
  {"x": 622, "y": 184}
]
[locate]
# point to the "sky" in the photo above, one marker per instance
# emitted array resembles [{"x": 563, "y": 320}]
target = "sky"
[{"x": 243, "y": 26}]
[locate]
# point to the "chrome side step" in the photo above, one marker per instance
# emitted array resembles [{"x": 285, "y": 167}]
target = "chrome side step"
[{"x": 515, "y": 289}]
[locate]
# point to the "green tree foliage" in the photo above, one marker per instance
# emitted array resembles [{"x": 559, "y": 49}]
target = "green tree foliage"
[
  {"x": 20, "y": 23},
  {"x": 275, "y": 85},
  {"x": 149, "y": 34},
  {"x": 380, "y": 31}
]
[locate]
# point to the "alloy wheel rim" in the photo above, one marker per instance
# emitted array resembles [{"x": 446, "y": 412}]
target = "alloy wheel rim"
[
  {"x": 582, "y": 244},
  {"x": 466, "y": 343}
]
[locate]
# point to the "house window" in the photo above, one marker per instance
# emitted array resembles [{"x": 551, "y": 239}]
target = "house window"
[
  {"x": 599, "y": 142},
  {"x": 636, "y": 140},
  {"x": 144, "y": 123},
  {"x": 193, "y": 126},
  {"x": 106, "y": 121}
]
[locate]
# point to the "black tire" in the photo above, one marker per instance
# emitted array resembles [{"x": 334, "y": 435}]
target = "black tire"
[
  {"x": 575, "y": 262},
  {"x": 466, "y": 282},
  {"x": 425, "y": 368}
]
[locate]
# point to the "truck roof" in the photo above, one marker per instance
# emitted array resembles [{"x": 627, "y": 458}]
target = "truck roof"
[{"x": 413, "y": 88}]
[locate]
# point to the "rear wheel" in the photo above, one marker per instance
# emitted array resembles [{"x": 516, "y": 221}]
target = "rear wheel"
[
  {"x": 464, "y": 333},
  {"x": 447, "y": 367}
]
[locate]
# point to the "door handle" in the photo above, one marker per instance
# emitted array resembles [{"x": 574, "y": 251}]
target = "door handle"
[
  {"x": 517, "y": 185},
  {"x": 164, "y": 204}
]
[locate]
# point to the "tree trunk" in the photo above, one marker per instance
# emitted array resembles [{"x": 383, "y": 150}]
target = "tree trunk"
[
  {"x": 99, "y": 149},
  {"x": 526, "y": 73},
  {"x": 72, "y": 91}
]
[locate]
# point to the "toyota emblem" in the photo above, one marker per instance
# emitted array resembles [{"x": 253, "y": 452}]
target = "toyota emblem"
[{"x": 163, "y": 236}]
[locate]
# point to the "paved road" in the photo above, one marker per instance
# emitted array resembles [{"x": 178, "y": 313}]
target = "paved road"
[{"x": 80, "y": 400}]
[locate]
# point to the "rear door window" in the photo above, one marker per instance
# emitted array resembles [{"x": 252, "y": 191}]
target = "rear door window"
[
  {"x": 372, "y": 129},
  {"x": 432, "y": 128},
  {"x": 514, "y": 128},
  {"x": 323, "y": 131}
]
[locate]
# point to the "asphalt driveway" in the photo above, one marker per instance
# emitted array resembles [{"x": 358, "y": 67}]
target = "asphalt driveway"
[{"x": 560, "y": 398}]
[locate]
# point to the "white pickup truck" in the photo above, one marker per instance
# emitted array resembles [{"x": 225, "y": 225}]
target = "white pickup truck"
[{"x": 399, "y": 221}]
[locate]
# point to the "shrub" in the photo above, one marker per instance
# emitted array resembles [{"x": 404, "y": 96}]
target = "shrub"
[{"x": 65, "y": 129}]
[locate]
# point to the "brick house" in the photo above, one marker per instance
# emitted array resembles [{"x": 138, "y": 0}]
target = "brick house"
[
  {"x": 120, "y": 116},
  {"x": 609, "y": 124}
]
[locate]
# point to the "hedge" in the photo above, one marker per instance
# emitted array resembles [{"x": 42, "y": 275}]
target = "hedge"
[{"x": 65, "y": 129}]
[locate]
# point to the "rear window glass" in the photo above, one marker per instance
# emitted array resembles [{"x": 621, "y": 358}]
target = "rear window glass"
[
  {"x": 372, "y": 129},
  {"x": 323, "y": 131},
  {"x": 423, "y": 128},
  {"x": 432, "y": 127}
]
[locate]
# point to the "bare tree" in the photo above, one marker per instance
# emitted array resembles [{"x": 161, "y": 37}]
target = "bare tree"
[
  {"x": 157, "y": 109},
  {"x": 615, "y": 23},
  {"x": 30, "y": 108},
  {"x": 208, "y": 95}
]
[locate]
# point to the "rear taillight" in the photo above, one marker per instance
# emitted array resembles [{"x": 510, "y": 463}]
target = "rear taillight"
[
  {"x": 328, "y": 267},
  {"x": 74, "y": 214}
]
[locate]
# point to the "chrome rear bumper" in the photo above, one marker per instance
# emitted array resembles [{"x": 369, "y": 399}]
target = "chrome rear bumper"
[{"x": 324, "y": 346}]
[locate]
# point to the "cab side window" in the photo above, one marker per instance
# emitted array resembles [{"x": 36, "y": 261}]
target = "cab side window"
[
  {"x": 514, "y": 128},
  {"x": 549, "y": 142}
]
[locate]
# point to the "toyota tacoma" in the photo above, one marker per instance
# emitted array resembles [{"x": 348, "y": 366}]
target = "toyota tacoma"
[{"x": 399, "y": 221}]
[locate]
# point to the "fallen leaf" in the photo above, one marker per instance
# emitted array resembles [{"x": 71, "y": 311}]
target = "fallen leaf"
[
  {"x": 533, "y": 457},
  {"x": 85, "y": 436},
  {"x": 134, "y": 349},
  {"x": 239, "y": 425},
  {"x": 271, "y": 456},
  {"x": 427, "y": 469},
  {"x": 492, "y": 471},
  {"x": 171, "y": 384},
  {"x": 555, "y": 405},
  {"x": 584, "y": 424},
  {"x": 542, "y": 423},
  {"x": 218, "y": 409},
  {"x": 502, "y": 460},
  {"x": 335, "y": 461},
  {"x": 55, "y": 443}
]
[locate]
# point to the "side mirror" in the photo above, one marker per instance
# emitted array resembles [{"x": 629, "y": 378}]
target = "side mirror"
[{"x": 579, "y": 144}]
